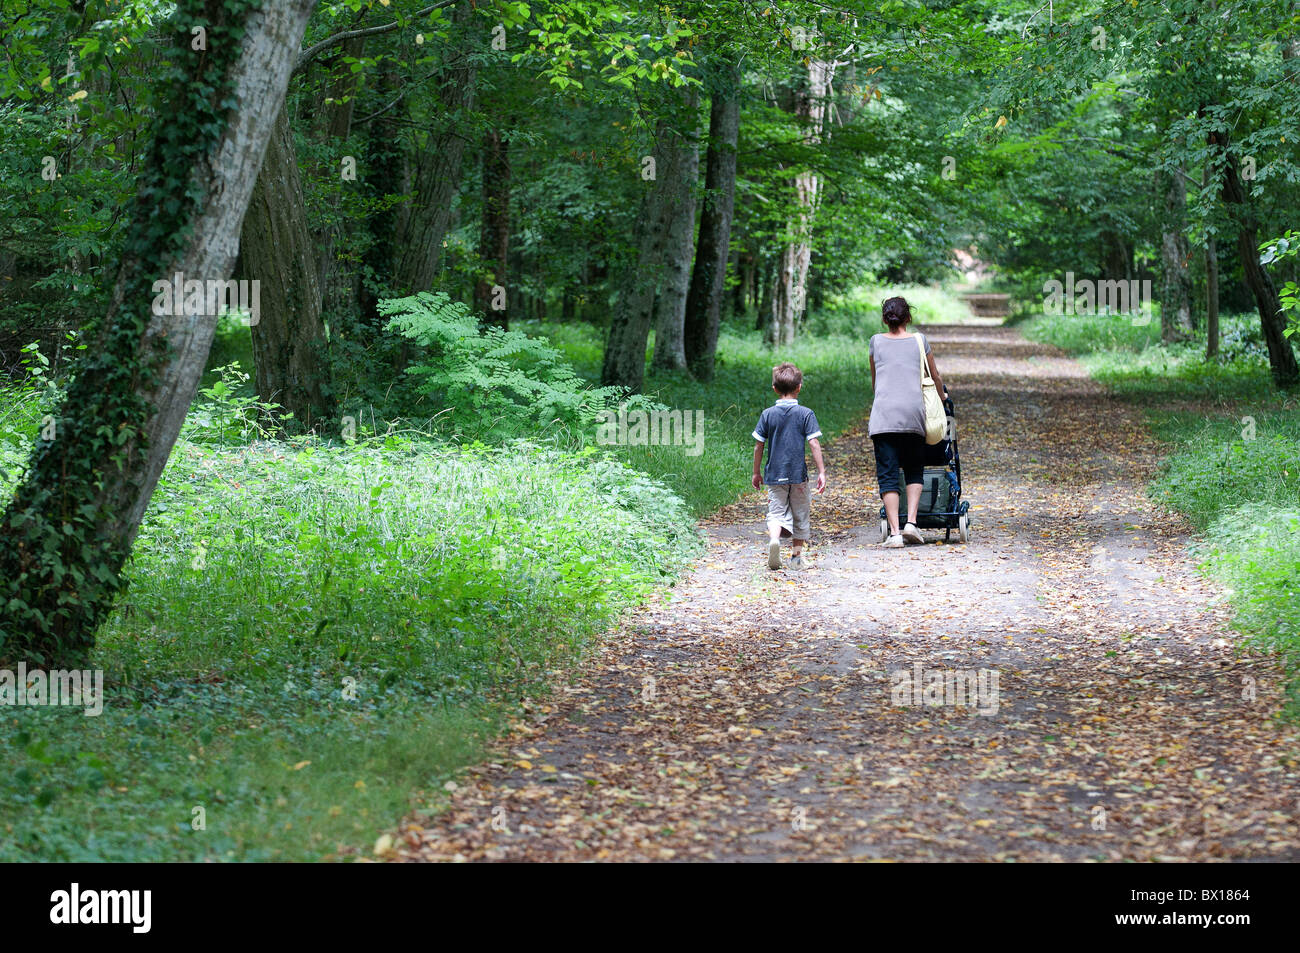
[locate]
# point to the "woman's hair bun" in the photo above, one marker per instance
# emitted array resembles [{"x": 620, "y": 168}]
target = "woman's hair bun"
[{"x": 896, "y": 313}]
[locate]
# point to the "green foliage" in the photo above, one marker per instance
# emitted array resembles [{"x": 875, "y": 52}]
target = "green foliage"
[
  {"x": 60, "y": 559},
  {"x": 271, "y": 580},
  {"x": 495, "y": 383},
  {"x": 1278, "y": 250}
]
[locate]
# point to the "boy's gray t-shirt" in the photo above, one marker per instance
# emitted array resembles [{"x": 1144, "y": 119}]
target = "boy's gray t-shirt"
[
  {"x": 897, "y": 406},
  {"x": 785, "y": 427}
]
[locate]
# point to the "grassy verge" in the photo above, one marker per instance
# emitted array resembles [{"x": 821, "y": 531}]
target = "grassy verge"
[
  {"x": 314, "y": 632},
  {"x": 1234, "y": 461},
  {"x": 1133, "y": 363}
]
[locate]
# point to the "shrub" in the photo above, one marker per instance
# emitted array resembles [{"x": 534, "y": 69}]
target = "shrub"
[{"x": 494, "y": 383}]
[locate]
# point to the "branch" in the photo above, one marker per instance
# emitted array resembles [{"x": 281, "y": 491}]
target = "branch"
[{"x": 309, "y": 54}]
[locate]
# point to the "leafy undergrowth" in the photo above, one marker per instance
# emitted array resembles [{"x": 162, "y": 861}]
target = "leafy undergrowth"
[{"x": 313, "y": 632}]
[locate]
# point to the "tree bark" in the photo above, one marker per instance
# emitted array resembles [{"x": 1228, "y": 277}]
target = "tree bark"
[
  {"x": 1211, "y": 289},
  {"x": 703, "y": 314},
  {"x": 1281, "y": 358},
  {"x": 494, "y": 234},
  {"x": 1212, "y": 298},
  {"x": 277, "y": 251},
  {"x": 390, "y": 175},
  {"x": 1176, "y": 293},
  {"x": 334, "y": 125},
  {"x": 670, "y": 303},
  {"x": 71, "y": 523},
  {"x": 1119, "y": 257},
  {"x": 789, "y": 296},
  {"x": 437, "y": 180},
  {"x": 629, "y": 331}
]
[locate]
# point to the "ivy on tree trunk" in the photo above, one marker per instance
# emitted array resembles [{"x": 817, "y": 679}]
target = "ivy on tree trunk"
[{"x": 69, "y": 528}]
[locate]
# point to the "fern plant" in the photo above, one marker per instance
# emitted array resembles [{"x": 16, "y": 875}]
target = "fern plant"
[{"x": 496, "y": 383}]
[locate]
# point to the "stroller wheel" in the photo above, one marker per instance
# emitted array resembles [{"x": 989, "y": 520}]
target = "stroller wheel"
[
  {"x": 963, "y": 528},
  {"x": 884, "y": 530}
]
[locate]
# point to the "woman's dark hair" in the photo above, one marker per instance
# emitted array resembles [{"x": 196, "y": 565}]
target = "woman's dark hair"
[{"x": 896, "y": 313}]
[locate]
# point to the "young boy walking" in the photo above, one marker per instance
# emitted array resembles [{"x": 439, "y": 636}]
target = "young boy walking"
[{"x": 784, "y": 428}]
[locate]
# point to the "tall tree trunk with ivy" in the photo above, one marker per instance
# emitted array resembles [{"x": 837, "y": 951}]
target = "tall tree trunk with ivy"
[
  {"x": 70, "y": 525},
  {"x": 704, "y": 300},
  {"x": 670, "y": 304},
  {"x": 389, "y": 174},
  {"x": 332, "y": 126}
]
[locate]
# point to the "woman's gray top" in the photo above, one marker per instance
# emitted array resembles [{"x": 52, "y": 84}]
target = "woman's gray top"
[{"x": 897, "y": 407}]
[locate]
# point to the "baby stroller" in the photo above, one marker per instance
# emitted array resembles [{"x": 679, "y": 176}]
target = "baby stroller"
[{"x": 942, "y": 506}]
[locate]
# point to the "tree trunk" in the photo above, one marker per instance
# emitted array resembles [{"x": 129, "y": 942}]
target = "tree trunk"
[
  {"x": 389, "y": 175},
  {"x": 789, "y": 296},
  {"x": 71, "y": 523},
  {"x": 670, "y": 303},
  {"x": 1176, "y": 289},
  {"x": 767, "y": 271},
  {"x": 1119, "y": 257},
  {"x": 629, "y": 330},
  {"x": 1281, "y": 358},
  {"x": 741, "y": 268},
  {"x": 1211, "y": 289},
  {"x": 494, "y": 235},
  {"x": 437, "y": 180},
  {"x": 1212, "y": 298},
  {"x": 277, "y": 251},
  {"x": 704, "y": 300},
  {"x": 334, "y": 124}
]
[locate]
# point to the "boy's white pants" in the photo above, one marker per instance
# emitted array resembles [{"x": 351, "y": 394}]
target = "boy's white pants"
[{"x": 789, "y": 506}]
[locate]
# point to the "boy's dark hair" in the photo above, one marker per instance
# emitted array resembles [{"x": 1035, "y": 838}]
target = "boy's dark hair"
[
  {"x": 896, "y": 313},
  {"x": 786, "y": 378}
]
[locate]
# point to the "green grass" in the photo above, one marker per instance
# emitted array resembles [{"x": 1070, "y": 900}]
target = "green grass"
[
  {"x": 1237, "y": 478},
  {"x": 313, "y": 633},
  {"x": 1234, "y": 462},
  {"x": 1132, "y": 362}
]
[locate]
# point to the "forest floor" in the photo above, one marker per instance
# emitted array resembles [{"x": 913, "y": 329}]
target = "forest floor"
[{"x": 752, "y": 715}]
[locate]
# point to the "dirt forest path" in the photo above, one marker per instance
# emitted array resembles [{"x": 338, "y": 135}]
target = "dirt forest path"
[{"x": 754, "y": 717}]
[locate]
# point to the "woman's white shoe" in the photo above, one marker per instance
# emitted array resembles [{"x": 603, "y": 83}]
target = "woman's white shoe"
[
  {"x": 911, "y": 534},
  {"x": 894, "y": 542}
]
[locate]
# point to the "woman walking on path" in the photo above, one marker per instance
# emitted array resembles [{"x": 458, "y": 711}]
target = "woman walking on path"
[{"x": 897, "y": 425}]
